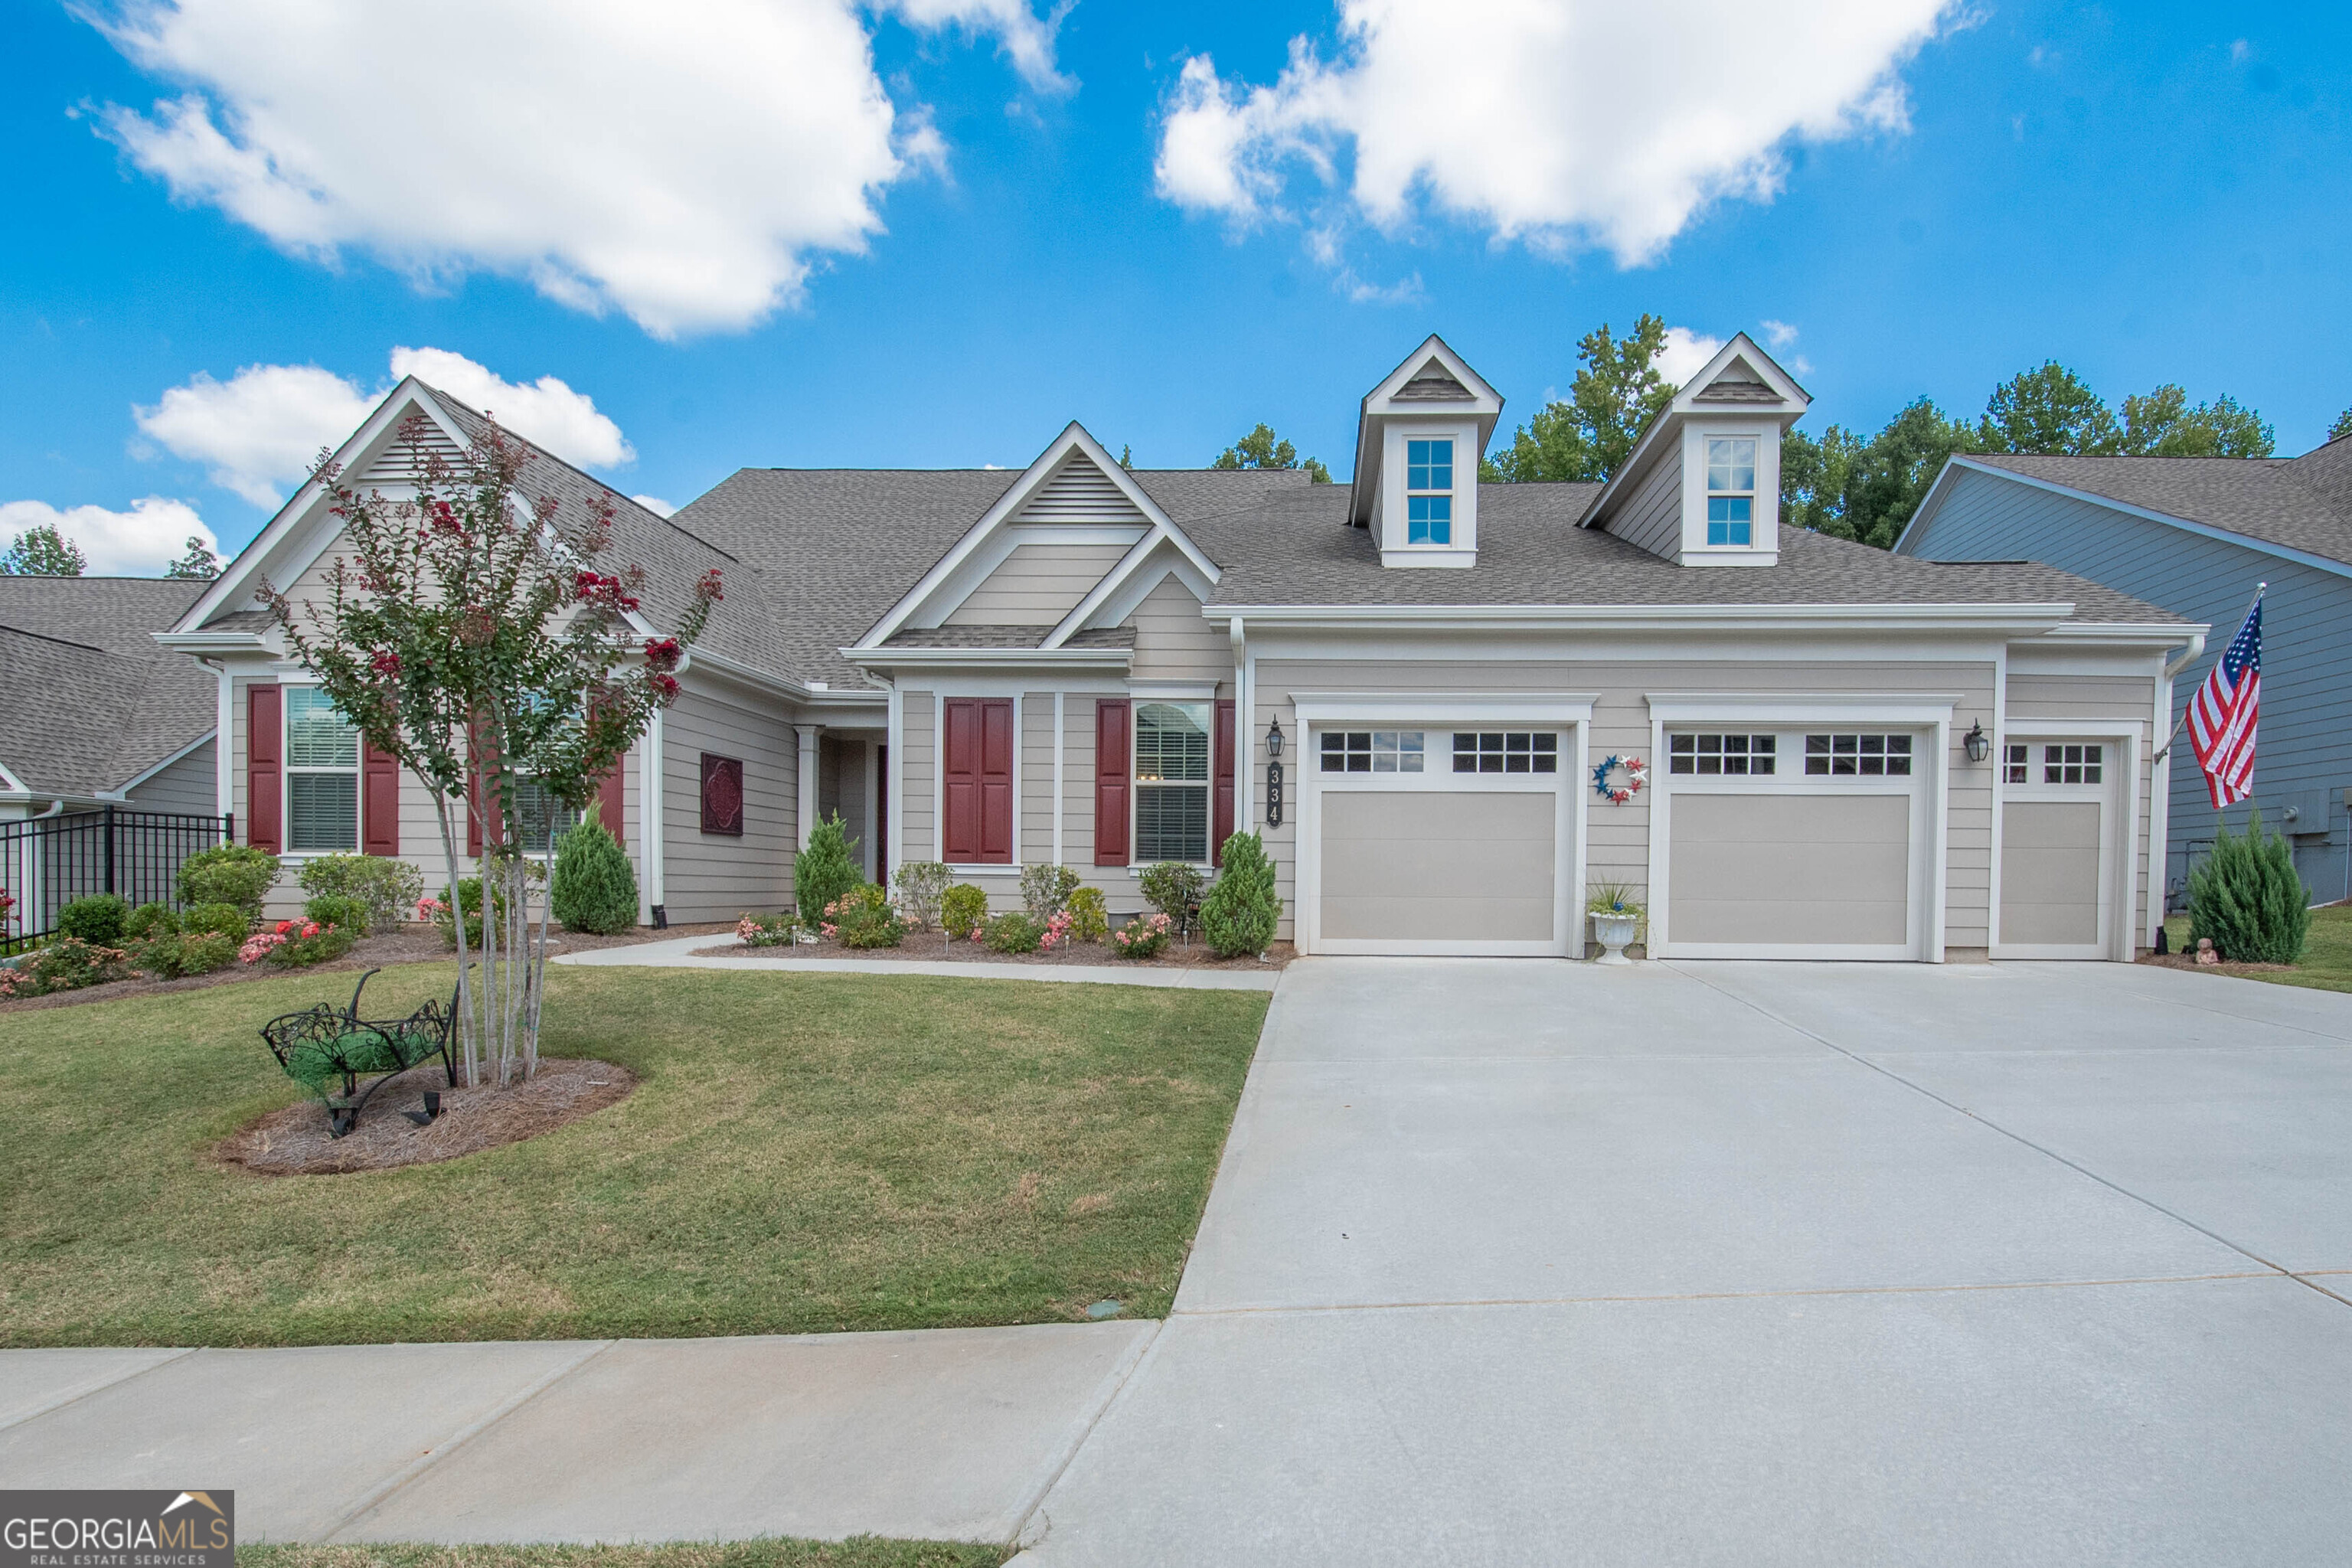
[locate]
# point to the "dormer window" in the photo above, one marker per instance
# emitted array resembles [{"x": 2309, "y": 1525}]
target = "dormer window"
[
  {"x": 1731, "y": 490},
  {"x": 1429, "y": 490}
]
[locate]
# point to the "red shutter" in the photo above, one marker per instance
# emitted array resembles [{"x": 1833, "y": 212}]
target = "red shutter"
[
  {"x": 379, "y": 802},
  {"x": 609, "y": 800},
  {"x": 265, "y": 767},
  {"x": 976, "y": 774},
  {"x": 1221, "y": 800},
  {"x": 996, "y": 783},
  {"x": 1114, "y": 771}
]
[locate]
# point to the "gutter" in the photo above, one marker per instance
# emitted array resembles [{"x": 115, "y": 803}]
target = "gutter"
[
  {"x": 2021, "y": 618},
  {"x": 991, "y": 658}
]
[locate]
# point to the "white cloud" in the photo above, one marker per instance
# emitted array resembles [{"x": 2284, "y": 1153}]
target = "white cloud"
[
  {"x": 1778, "y": 334},
  {"x": 681, "y": 163},
  {"x": 1685, "y": 355},
  {"x": 547, "y": 411},
  {"x": 1555, "y": 124},
  {"x": 260, "y": 430},
  {"x": 655, "y": 505},
  {"x": 136, "y": 543}
]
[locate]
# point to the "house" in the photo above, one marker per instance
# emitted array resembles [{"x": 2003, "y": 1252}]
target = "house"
[
  {"x": 1449, "y": 707},
  {"x": 2195, "y": 535},
  {"x": 97, "y": 714}
]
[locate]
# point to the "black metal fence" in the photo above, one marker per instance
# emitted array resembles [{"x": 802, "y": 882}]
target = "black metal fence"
[{"x": 46, "y": 862}]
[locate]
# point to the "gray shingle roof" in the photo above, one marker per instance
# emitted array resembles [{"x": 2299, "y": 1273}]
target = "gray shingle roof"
[
  {"x": 1298, "y": 549},
  {"x": 2303, "y": 503},
  {"x": 835, "y": 548},
  {"x": 93, "y": 701}
]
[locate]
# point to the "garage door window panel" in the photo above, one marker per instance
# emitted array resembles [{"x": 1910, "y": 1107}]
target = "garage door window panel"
[
  {"x": 1736, "y": 756},
  {"x": 1506, "y": 751},
  {"x": 1171, "y": 781},
  {"x": 1863, "y": 755},
  {"x": 1372, "y": 751}
]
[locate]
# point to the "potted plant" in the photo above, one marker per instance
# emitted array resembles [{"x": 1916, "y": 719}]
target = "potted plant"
[{"x": 1616, "y": 920}]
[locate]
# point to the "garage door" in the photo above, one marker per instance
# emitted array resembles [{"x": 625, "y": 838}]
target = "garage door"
[
  {"x": 1792, "y": 845},
  {"x": 1438, "y": 841},
  {"x": 2056, "y": 856}
]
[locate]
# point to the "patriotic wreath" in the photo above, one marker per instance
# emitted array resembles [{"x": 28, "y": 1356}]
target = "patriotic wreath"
[{"x": 1637, "y": 774}]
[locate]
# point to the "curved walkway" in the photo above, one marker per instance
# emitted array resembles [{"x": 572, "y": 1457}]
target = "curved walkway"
[{"x": 679, "y": 955}]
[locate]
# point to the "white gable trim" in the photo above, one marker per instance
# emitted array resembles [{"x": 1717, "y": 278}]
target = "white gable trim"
[
  {"x": 233, "y": 588},
  {"x": 1656, "y": 439},
  {"x": 1484, "y": 407},
  {"x": 951, "y": 573},
  {"x": 1130, "y": 583},
  {"x": 1937, "y": 492},
  {"x": 180, "y": 755}
]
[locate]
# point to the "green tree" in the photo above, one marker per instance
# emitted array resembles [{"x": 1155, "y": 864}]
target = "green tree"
[
  {"x": 2049, "y": 409},
  {"x": 2342, "y": 427},
  {"x": 1866, "y": 491},
  {"x": 199, "y": 564},
  {"x": 826, "y": 869},
  {"x": 42, "y": 551},
  {"x": 2161, "y": 424},
  {"x": 1261, "y": 449},
  {"x": 1586, "y": 436},
  {"x": 1813, "y": 477},
  {"x": 593, "y": 887},
  {"x": 2247, "y": 897}
]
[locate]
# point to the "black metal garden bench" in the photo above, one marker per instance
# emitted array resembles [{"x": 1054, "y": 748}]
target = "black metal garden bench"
[{"x": 328, "y": 1049}]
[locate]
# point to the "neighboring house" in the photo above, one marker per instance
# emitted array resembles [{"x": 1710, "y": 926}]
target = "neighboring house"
[
  {"x": 2195, "y": 535},
  {"x": 97, "y": 714},
  {"x": 1083, "y": 664}
]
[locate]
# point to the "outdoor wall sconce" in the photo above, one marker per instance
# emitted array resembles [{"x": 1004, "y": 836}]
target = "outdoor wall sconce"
[
  {"x": 1978, "y": 745},
  {"x": 1274, "y": 774}
]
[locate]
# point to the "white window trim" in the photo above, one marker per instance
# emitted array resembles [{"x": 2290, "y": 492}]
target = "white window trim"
[
  {"x": 286, "y": 779},
  {"x": 1707, "y": 490},
  {"x": 1135, "y": 860},
  {"x": 1454, "y": 445}
]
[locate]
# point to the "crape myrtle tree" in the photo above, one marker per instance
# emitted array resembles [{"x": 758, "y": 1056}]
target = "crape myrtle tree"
[{"x": 469, "y": 632}]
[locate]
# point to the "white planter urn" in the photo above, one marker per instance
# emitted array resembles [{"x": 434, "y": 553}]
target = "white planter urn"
[{"x": 1614, "y": 930}]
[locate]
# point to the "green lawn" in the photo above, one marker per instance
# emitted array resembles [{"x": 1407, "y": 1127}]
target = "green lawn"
[
  {"x": 2326, "y": 958},
  {"x": 804, "y": 1152},
  {"x": 864, "y": 1552}
]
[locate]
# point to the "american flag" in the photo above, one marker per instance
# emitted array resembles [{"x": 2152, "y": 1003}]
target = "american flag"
[{"x": 2221, "y": 714}]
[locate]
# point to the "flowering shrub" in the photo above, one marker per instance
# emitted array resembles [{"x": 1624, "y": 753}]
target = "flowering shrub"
[
  {"x": 862, "y": 917},
  {"x": 1142, "y": 937},
  {"x": 1015, "y": 932},
  {"x": 921, "y": 884},
  {"x": 768, "y": 930},
  {"x": 297, "y": 944},
  {"x": 1058, "y": 931},
  {"x": 66, "y": 964}
]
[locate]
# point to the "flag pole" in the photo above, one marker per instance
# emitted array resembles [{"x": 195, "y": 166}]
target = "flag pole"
[{"x": 2259, "y": 589}]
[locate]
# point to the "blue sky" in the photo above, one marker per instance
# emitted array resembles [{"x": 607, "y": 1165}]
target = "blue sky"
[{"x": 2152, "y": 193}]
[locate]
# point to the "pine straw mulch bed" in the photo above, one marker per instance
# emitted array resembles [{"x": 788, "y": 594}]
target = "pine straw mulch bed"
[
  {"x": 294, "y": 1141},
  {"x": 412, "y": 944},
  {"x": 932, "y": 947},
  {"x": 2189, "y": 961}
]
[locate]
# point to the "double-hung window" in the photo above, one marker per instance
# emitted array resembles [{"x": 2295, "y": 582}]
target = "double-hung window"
[
  {"x": 1429, "y": 490},
  {"x": 322, "y": 775},
  {"x": 1171, "y": 781},
  {"x": 1731, "y": 489}
]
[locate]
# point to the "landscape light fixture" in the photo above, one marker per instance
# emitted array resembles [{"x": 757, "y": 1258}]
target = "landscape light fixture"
[{"x": 1977, "y": 743}]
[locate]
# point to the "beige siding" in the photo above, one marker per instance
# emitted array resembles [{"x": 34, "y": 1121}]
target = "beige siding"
[
  {"x": 1653, "y": 517},
  {"x": 2038, "y": 699},
  {"x": 1174, "y": 643},
  {"x": 710, "y": 877},
  {"x": 917, "y": 804},
  {"x": 1036, "y": 586},
  {"x": 1033, "y": 837},
  {"x": 189, "y": 787}
]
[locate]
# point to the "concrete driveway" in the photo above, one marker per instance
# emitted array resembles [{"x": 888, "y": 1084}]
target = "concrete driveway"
[{"x": 1744, "y": 1264}]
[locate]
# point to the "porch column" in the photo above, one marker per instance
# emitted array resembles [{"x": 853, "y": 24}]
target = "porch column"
[{"x": 809, "y": 734}]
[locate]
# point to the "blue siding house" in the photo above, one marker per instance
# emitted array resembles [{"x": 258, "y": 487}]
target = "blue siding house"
[{"x": 2195, "y": 535}]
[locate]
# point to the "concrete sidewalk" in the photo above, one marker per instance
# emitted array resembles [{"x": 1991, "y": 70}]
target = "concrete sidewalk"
[
  {"x": 680, "y": 955},
  {"x": 941, "y": 1434}
]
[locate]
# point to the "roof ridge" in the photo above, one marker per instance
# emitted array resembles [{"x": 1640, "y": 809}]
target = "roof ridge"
[{"x": 62, "y": 642}]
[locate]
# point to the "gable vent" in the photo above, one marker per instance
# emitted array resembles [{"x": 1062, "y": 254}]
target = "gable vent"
[
  {"x": 1078, "y": 492},
  {"x": 393, "y": 467},
  {"x": 1433, "y": 382}
]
